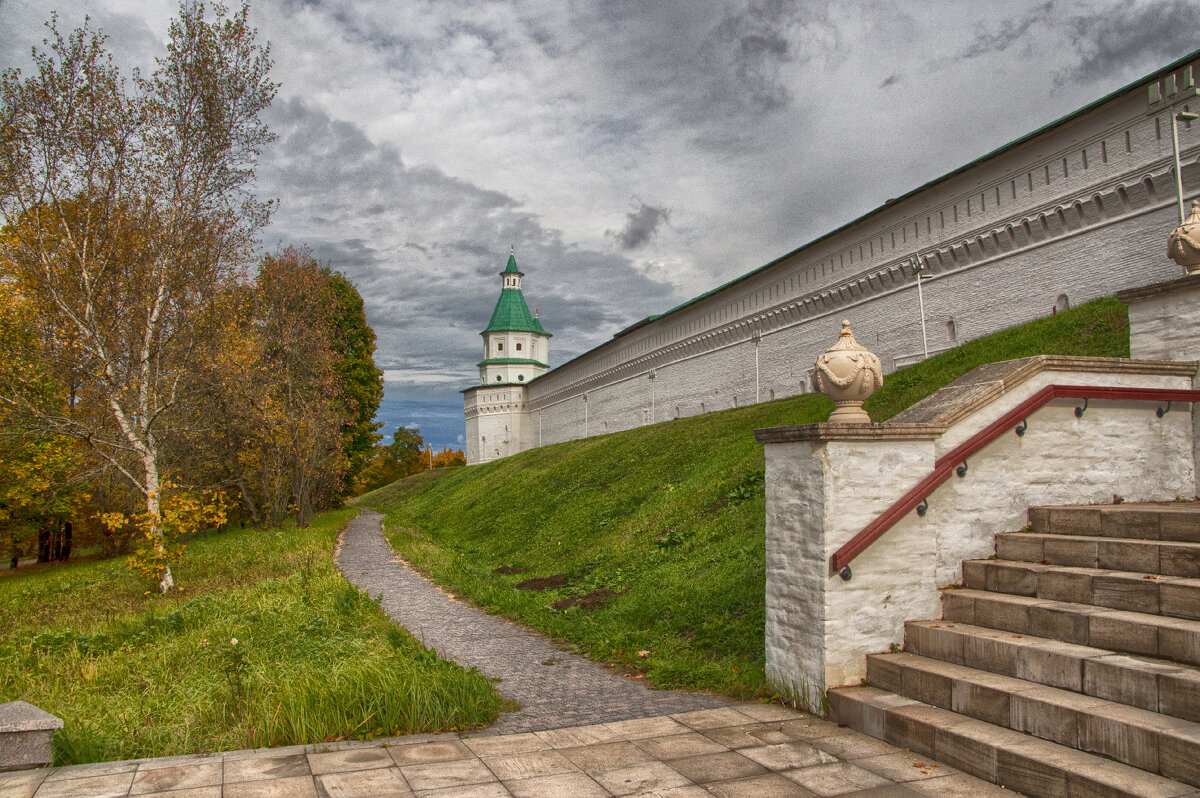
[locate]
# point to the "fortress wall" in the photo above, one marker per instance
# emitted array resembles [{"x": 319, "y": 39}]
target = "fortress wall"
[
  {"x": 1081, "y": 209},
  {"x": 978, "y": 300}
]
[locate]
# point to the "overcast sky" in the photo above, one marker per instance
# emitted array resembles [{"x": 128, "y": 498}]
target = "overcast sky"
[{"x": 635, "y": 153}]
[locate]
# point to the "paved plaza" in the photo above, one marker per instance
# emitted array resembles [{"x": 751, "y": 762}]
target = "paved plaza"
[{"x": 740, "y": 750}]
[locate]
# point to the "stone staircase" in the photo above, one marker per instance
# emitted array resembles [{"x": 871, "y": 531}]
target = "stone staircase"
[{"x": 1067, "y": 666}]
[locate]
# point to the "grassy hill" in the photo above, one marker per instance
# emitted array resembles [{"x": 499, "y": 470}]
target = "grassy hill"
[{"x": 665, "y": 521}]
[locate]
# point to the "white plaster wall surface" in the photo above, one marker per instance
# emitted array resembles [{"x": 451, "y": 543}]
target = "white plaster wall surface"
[
  {"x": 1081, "y": 209},
  {"x": 889, "y": 585},
  {"x": 976, "y": 421},
  {"x": 1165, "y": 326},
  {"x": 795, "y": 583},
  {"x": 1119, "y": 448}
]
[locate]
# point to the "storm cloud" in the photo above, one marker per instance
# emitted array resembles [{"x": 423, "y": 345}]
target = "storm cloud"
[{"x": 640, "y": 225}]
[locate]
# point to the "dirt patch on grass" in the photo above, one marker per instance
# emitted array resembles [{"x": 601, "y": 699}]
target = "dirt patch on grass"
[
  {"x": 588, "y": 601},
  {"x": 540, "y": 583},
  {"x": 510, "y": 569}
]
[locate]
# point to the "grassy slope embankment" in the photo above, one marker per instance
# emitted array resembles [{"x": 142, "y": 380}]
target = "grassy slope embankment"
[
  {"x": 136, "y": 674},
  {"x": 670, "y": 516}
]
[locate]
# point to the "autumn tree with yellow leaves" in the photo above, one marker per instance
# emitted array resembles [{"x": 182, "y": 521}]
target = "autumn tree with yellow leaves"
[{"x": 129, "y": 209}]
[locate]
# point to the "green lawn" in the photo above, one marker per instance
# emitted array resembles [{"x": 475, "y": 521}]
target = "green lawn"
[
  {"x": 669, "y": 516},
  {"x": 136, "y": 674}
]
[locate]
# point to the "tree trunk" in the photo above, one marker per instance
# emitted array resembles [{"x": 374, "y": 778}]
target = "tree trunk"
[
  {"x": 153, "y": 512},
  {"x": 43, "y": 543},
  {"x": 65, "y": 553},
  {"x": 247, "y": 498}
]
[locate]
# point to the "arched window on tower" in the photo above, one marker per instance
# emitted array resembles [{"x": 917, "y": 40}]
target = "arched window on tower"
[
  {"x": 951, "y": 333},
  {"x": 1062, "y": 303}
]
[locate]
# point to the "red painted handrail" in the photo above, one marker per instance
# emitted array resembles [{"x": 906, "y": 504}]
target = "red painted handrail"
[{"x": 945, "y": 465}]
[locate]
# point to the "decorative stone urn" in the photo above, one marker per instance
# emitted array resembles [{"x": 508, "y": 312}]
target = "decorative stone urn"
[
  {"x": 848, "y": 374},
  {"x": 1183, "y": 247}
]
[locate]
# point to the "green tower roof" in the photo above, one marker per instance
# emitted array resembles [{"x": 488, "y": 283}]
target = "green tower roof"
[
  {"x": 511, "y": 313},
  {"x": 511, "y": 268}
]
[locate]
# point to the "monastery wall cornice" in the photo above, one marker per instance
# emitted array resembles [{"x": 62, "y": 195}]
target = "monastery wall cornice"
[{"x": 1124, "y": 196}]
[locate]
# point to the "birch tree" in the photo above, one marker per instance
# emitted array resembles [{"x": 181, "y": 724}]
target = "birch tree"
[{"x": 128, "y": 206}]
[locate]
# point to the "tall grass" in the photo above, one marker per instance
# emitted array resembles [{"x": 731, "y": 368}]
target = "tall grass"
[
  {"x": 135, "y": 674},
  {"x": 669, "y": 516}
]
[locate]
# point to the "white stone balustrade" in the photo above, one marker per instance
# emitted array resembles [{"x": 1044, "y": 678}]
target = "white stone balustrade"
[{"x": 824, "y": 483}]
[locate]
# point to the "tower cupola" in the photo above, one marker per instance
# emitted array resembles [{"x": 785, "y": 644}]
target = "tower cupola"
[{"x": 515, "y": 345}]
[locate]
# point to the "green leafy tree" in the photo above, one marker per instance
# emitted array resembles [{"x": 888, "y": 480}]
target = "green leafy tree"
[
  {"x": 361, "y": 381},
  {"x": 402, "y": 457},
  {"x": 406, "y": 449}
]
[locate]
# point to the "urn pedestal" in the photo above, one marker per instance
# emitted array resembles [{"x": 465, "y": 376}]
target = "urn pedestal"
[{"x": 847, "y": 373}]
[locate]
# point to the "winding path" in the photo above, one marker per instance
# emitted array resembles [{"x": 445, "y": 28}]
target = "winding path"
[{"x": 555, "y": 689}]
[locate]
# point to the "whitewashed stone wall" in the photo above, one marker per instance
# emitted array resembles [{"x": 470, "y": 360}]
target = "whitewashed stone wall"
[
  {"x": 497, "y": 422},
  {"x": 821, "y": 491},
  {"x": 1078, "y": 211},
  {"x": 1164, "y": 322}
]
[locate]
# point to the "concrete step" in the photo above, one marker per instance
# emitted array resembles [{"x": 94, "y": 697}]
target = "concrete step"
[
  {"x": 1163, "y": 557},
  {"x": 1175, "y": 639},
  {"x": 1134, "y": 736},
  {"x": 1030, "y": 765},
  {"x": 1147, "y": 683},
  {"x": 1176, "y": 596},
  {"x": 1172, "y": 521}
]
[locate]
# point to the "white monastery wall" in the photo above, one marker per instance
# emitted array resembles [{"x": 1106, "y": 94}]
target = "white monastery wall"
[{"x": 1007, "y": 239}]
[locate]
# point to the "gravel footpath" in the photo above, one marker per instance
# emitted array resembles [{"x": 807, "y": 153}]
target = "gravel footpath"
[{"x": 555, "y": 689}]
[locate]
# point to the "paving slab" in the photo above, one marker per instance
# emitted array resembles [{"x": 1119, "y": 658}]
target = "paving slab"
[
  {"x": 575, "y": 785},
  {"x": 434, "y": 751},
  {"x": 150, "y": 779},
  {"x": 837, "y": 778},
  {"x": 377, "y": 783},
  {"x": 265, "y": 767}
]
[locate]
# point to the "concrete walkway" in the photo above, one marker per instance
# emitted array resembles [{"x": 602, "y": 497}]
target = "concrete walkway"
[
  {"x": 555, "y": 688},
  {"x": 737, "y": 751}
]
